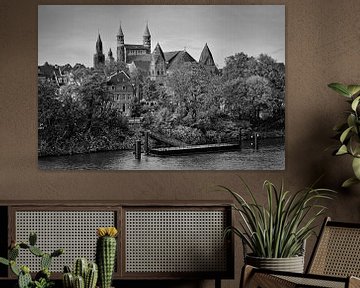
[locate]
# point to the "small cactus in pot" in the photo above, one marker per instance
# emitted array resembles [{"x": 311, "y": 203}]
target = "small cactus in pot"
[
  {"x": 106, "y": 254},
  {"x": 85, "y": 275}
]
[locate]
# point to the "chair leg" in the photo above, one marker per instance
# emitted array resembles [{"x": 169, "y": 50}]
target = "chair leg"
[
  {"x": 251, "y": 279},
  {"x": 245, "y": 275},
  {"x": 354, "y": 282}
]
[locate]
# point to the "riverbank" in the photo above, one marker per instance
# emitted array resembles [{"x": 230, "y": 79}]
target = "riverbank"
[{"x": 105, "y": 144}]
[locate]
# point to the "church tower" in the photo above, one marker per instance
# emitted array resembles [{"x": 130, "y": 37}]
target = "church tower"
[
  {"x": 120, "y": 52},
  {"x": 99, "y": 57},
  {"x": 147, "y": 39},
  {"x": 207, "y": 60},
  {"x": 110, "y": 57}
]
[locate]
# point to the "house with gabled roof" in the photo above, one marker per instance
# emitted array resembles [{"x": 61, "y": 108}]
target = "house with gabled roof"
[{"x": 121, "y": 91}]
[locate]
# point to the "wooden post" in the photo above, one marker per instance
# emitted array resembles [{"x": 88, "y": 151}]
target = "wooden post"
[
  {"x": 146, "y": 143},
  {"x": 255, "y": 142},
  {"x": 240, "y": 139},
  {"x": 137, "y": 149}
]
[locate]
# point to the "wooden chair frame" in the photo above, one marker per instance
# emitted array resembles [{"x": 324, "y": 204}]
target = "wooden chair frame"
[{"x": 255, "y": 277}]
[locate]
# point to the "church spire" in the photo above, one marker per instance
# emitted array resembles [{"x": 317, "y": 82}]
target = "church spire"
[
  {"x": 99, "y": 57},
  {"x": 120, "y": 33},
  {"x": 99, "y": 49},
  {"x": 147, "y": 38},
  {"x": 147, "y": 32}
]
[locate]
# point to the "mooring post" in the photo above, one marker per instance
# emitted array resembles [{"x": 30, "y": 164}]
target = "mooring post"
[
  {"x": 255, "y": 138},
  {"x": 137, "y": 149},
  {"x": 146, "y": 144},
  {"x": 240, "y": 139},
  {"x": 256, "y": 141}
]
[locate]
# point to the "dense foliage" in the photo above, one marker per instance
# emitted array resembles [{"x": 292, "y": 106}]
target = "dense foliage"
[
  {"x": 79, "y": 118},
  {"x": 192, "y": 104},
  {"x": 197, "y": 106}
]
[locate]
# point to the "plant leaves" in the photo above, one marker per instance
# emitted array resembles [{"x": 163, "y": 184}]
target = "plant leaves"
[
  {"x": 356, "y": 167},
  {"x": 355, "y": 103},
  {"x": 342, "y": 150},
  {"x": 340, "y": 88},
  {"x": 353, "y": 89},
  {"x": 345, "y": 134},
  {"x": 349, "y": 182}
]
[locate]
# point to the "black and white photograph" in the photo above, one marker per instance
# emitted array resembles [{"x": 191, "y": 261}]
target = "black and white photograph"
[{"x": 161, "y": 87}]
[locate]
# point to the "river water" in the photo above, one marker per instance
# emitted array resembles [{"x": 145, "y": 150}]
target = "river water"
[{"x": 269, "y": 156}]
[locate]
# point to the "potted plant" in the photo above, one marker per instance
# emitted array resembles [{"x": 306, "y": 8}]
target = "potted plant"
[
  {"x": 42, "y": 278},
  {"x": 276, "y": 233},
  {"x": 349, "y": 131}
]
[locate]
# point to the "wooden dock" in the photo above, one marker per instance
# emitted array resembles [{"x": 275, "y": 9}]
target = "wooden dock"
[{"x": 191, "y": 149}]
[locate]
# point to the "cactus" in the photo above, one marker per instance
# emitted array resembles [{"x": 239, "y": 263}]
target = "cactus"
[
  {"x": 24, "y": 278},
  {"x": 91, "y": 276},
  {"x": 105, "y": 254},
  {"x": 36, "y": 251},
  {"x": 79, "y": 282},
  {"x": 13, "y": 253},
  {"x": 32, "y": 238},
  {"x": 45, "y": 261},
  {"x": 80, "y": 267},
  {"x": 68, "y": 280},
  {"x": 87, "y": 272}
]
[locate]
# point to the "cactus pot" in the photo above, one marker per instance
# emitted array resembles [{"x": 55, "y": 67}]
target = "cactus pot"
[{"x": 291, "y": 264}]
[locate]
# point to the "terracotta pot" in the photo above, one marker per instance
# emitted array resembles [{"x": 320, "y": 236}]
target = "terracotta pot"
[{"x": 291, "y": 264}]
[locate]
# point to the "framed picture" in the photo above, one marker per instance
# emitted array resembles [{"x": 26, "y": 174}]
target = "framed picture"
[{"x": 161, "y": 87}]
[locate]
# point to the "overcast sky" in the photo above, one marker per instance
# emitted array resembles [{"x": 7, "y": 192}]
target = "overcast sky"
[{"x": 68, "y": 33}]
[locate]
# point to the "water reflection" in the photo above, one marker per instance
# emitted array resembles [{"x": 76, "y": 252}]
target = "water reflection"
[{"x": 270, "y": 156}]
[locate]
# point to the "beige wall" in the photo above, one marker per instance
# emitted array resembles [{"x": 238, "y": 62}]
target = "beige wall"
[{"x": 322, "y": 46}]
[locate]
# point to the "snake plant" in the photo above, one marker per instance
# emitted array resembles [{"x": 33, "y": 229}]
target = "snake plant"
[{"x": 279, "y": 228}]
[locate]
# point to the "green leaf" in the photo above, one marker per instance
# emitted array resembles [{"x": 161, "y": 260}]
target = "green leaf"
[
  {"x": 351, "y": 120},
  {"x": 355, "y": 103},
  {"x": 356, "y": 167},
  {"x": 353, "y": 89},
  {"x": 4, "y": 261},
  {"x": 340, "y": 88},
  {"x": 349, "y": 182},
  {"x": 342, "y": 150},
  {"x": 345, "y": 134}
]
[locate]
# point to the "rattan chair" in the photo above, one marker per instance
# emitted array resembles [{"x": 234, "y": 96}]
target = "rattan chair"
[{"x": 334, "y": 263}]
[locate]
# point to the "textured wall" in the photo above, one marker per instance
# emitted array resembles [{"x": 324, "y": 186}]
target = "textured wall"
[{"x": 322, "y": 46}]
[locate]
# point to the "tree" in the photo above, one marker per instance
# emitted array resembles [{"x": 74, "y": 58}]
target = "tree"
[{"x": 258, "y": 97}]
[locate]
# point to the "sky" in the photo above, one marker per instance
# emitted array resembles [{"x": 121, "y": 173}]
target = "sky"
[{"x": 68, "y": 33}]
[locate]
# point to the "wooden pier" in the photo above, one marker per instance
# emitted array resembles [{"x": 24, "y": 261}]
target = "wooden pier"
[{"x": 191, "y": 149}]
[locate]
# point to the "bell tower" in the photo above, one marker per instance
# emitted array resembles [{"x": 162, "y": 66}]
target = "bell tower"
[
  {"x": 120, "y": 52},
  {"x": 147, "y": 39},
  {"x": 99, "y": 57}
]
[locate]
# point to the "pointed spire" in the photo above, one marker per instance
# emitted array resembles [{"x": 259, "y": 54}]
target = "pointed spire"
[
  {"x": 206, "y": 57},
  {"x": 146, "y": 32},
  {"x": 120, "y": 33},
  {"x": 99, "y": 44},
  {"x": 158, "y": 52}
]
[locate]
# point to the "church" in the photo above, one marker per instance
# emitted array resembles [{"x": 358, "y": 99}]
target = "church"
[{"x": 156, "y": 64}]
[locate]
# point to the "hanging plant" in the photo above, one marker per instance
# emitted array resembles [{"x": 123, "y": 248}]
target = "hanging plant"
[{"x": 348, "y": 132}]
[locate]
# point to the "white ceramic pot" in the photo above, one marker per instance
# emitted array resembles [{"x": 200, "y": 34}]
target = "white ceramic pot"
[{"x": 291, "y": 264}]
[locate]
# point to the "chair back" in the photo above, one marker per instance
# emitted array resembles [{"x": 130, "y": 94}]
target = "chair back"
[{"x": 337, "y": 251}]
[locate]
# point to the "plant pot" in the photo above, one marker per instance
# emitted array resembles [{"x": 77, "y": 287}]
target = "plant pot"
[{"x": 291, "y": 264}]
